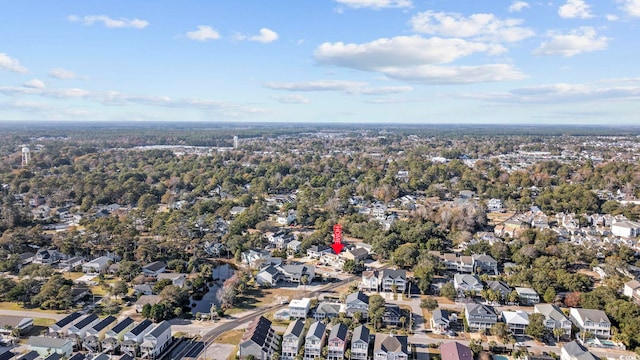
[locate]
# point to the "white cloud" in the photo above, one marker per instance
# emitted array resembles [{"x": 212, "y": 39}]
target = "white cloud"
[
  {"x": 518, "y": 6},
  {"x": 577, "y": 41},
  {"x": 429, "y": 74},
  {"x": 266, "y": 36},
  {"x": 34, "y": 84},
  {"x": 11, "y": 64},
  {"x": 611, "y": 17},
  {"x": 479, "y": 26},
  {"x": 376, "y": 4},
  {"x": 109, "y": 22},
  {"x": 400, "y": 51},
  {"x": 320, "y": 85},
  {"x": 382, "y": 90},
  {"x": 631, "y": 7},
  {"x": 63, "y": 74},
  {"x": 203, "y": 33},
  {"x": 46, "y": 110},
  {"x": 292, "y": 99},
  {"x": 575, "y": 9},
  {"x": 563, "y": 93}
]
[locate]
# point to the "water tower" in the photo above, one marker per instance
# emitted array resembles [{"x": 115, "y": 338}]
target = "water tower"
[{"x": 26, "y": 156}]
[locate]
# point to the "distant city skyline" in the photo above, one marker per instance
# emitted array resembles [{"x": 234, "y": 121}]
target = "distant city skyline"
[{"x": 322, "y": 61}]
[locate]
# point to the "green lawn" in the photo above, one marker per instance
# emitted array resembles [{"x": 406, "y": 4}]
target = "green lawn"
[{"x": 5, "y": 305}]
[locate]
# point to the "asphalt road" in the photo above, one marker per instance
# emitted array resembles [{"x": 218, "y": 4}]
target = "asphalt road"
[{"x": 32, "y": 314}]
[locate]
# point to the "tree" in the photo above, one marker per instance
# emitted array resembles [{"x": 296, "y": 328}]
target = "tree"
[
  {"x": 476, "y": 346},
  {"x": 349, "y": 266},
  {"x": 536, "y": 328},
  {"x": 549, "y": 295},
  {"x": 119, "y": 288},
  {"x": 376, "y": 310},
  {"x": 449, "y": 291},
  {"x": 558, "y": 332},
  {"x": 572, "y": 299},
  {"x": 429, "y": 304},
  {"x": 501, "y": 331}
]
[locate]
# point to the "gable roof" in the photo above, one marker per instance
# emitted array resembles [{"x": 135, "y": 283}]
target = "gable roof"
[
  {"x": 68, "y": 319},
  {"x": 122, "y": 325},
  {"x": 575, "y": 350},
  {"x": 439, "y": 315},
  {"x": 515, "y": 317},
  {"x": 361, "y": 333},
  {"x": 338, "y": 331},
  {"x": 400, "y": 273},
  {"x": 31, "y": 355},
  {"x": 455, "y": 351},
  {"x": 85, "y": 322},
  {"x": 141, "y": 327},
  {"x": 479, "y": 309},
  {"x": 358, "y": 295},
  {"x": 498, "y": 286},
  {"x": 160, "y": 329},
  {"x": 47, "y": 342},
  {"x": 155, "y": 266},
  {"x": 550, "y": 311},
  {"x": 594, "y": 315},
  {"x": 295, "y": 328},
  {"x": 316, "y": 330},
  {"x": 258, "y": 331},
  {"x": 104, "y": 323}
]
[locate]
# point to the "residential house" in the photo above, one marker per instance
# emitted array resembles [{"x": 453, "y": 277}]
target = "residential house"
[
  {"x": 269, "y": 276},
  {"x": 294, "y": 246},
  {"x": 156, "y": 341},
  {"x": 26, "y": 258},
  {"x": 47, "y": 257},
  {"x": 327, "y": 310},
  {"x": 465, "y": 264},
  {"x": 94, "y": 335},
  {"x": 627, "y": 229},
  {"x": 259, "y": 258},
  {"x": 479, "y": 317},
  {"x": 632, "y": 290},
  {"x": 337, "y": 342},
  {"x": 575, "y": 351},
  {"x": 142, "y": 289},
  {"x": 59, "y": 329},
  {"x": 46, "y": 346},
  {"x": 393, "y": 280},
  {"x": 31, "y": 355},
  {"x": 392, "y": 315},
  {"x": 357, "y": 302},
  {"x": 292, "y": 340},
  {"x": 15, "y": 325},
  {"x": 494, "y": 205},
  {"x": 516, "y": 321},
  {"x": 455, "y": 351},
  {"x": 484, "y": 264},
  {"x": 390, "y": 347},
  {"x": 115, "y": 335},
  {"x": 177, "y": 279},
  {"x": 77, "y": 331},
  {"x": 331, "y": 259},
  {"x": 500, "y": 287},
  {"x": 96, "y": 266},
  {"x": 299, "y": 308},
  {"x": 316, "y": 251},
  {"x": 72, "y": 263},
  {"x": 315, "y": 340},
  {"x": 593, "y": 321},
  {"x": 527, "y": 296},
  {"x": 466, "y": 282},
  {"x": 154, "y": 268},
  {"x": 79, "y": 356},
  {"x": 54, "y": 356},
  {"x": 236, "y": 210},
  {"x": 295, "y": 273},
  {"x": 133, "y": 338},
  {"x": 288, "y": 218},
  {"x": 439, "y": 321},
  {"x": 259, "y": 340},
  {"x": 369, "y": 281},
  {"x": 146, "y": 299},
  {"x": 360, "y": 343},
  {"x": 355, "y": 254},
  {"x": 554, "y": 318}
]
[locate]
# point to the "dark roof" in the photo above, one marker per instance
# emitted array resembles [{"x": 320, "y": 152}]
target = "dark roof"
[
  {"x": 141, "y": 327},
  {"x": 104, "y": 323},
  {"x": 338, "y": 331},
  {"x": 86, "y": 321},
  {"x": 160, "y": 329},
  {"x": 361, "y": 333},
  {"x": 390, "y": 343},
  {"x": 77, "y": 356},
  {"x": 7, "y": 355},
  {"x": 440, "y": 314},
  {"x": 271, "y": 270},
  {"x": 54, "y": 356},
  {"x": 67, "y": 320},
  {"x": 31, "y": 355},
  {"x": 359, "y": 295},
  {"x": 394, "y": 273},
  {"x": 126, "y": 357},
  {"x": 122, "y": 325},
  {"x": 316, "y": 330},
  {"x": 257, "y": 331},
  {"x": 155, "y": 266},
  {"x": 295, "y": 328}
]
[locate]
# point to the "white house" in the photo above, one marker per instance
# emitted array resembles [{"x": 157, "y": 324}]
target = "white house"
[
  {"x": 59, "y": 329},
  {"x": 594, "y": 321},
  {"x": 131, "y": 340},
  {"x": 315, "y": 340},
  {"x": 626, "y": 228},
  {"x": 46, "y": 345},
  {"x": 516, "y": 321},
  {"x": 156, "y": 340},
  {"x": 115, "y": 335},
  {"x": 96, "y": 266},
  {"x": 360, "y": 343},
  {"x": 77, "y": 331},
  {"x": 177, "y": 279},
  {"x": 575, "y": 351},
  {"x": 292, "y": 340},
  {"x": 95, "y": 334},
  {"x": 299, "y": 308},
  {"x": 554, "y": 318},
  {"x": 527, "y": 296},
  {"x": 154, "y": 268},
  {"x": 632, "y": 290}
]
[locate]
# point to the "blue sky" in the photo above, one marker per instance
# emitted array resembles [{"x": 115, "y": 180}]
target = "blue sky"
[{"x": 381, "y": 61}]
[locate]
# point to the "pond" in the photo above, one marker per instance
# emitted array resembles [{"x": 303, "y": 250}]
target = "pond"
[{"x": 221, "y": 273}]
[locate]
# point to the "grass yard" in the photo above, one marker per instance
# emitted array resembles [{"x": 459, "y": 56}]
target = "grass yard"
[
  {"x": 232, "y": 356},
  {"x": 256, "y": 298},
  {"x": 72, "y": 275},
  {"x": 231, "y": 337},
  {"x": 43, "y": 322},
  {"x": 5, "y": 305}
]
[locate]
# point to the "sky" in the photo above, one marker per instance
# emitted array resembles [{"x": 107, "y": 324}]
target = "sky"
[{"x": 323, "y": 61}]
